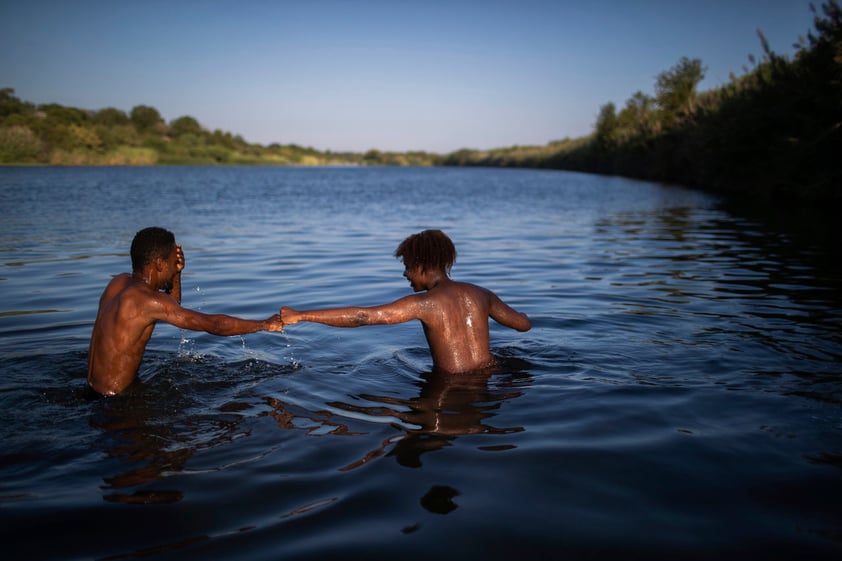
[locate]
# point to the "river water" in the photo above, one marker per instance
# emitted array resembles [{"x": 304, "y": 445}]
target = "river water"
[{"x": 678, "y": 395}]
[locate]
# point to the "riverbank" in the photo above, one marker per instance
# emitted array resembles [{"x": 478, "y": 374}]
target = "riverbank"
[{"x": 772, "y": 135}]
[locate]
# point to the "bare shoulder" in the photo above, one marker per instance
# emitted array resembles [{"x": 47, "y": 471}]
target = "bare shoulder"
[
  {"x": 473, "y": 291},
  {"x": 115, "y": 287},
  {"x": 119, "y": 282},
  {"x": 411, "y": 302},
  {"x": 142, "y": 297},
  {"x": 457, "y": 293}
]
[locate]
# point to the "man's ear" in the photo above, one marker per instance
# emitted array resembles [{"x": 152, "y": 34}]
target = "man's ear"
[{"x": 159, "y": 264}]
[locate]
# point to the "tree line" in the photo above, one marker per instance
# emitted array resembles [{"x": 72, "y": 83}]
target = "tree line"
[
  {"x": 55, "y": 134},
  {"x": 59, "y": 135},
  {"x": 775, "y": 131}
]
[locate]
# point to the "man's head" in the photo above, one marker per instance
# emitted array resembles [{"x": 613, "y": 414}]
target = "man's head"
[
  {"x": 150, "y": 244},
  {"x": 429, "y": 250}
]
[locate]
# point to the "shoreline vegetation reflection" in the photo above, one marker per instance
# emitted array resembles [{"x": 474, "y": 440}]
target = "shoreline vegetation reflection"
[{"x": 771, "y": 133}]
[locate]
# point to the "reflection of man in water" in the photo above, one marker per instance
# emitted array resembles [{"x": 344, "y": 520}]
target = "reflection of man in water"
[
  {"x": 146, "y": 448},
  {"x": 447, "y": 407},
  {"x": 454, "y": 314},
  {"x": 133, "y": 303},
  {"x": 153, "y": 435}
]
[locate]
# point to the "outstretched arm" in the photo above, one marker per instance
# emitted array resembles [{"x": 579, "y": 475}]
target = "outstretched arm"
[
  {"x": 221, "y": 324},
  {"x": 165, "y": 308},
  {"x": 399, "y": 311}
]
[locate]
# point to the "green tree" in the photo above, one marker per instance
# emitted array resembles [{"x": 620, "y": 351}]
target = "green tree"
[
  {"x": 117, "y": 135},
  {"x": 185, "y": 125},
  {"x": 83, "y": 137},
  {"x": 60, "y": 115},
  {"x": 675, "y": 89},
  {"x": 373, "y": 157},
  {"x": 110, "y": 117},
  {"x": 224, "y": 139},
  {"x": 606, "y": 124},
  {"x": 145, "y": 118},
  {"x": 18, "y": 145},
  {"x": 11, "y": 105},
  {"x": 636, "y": 115}
]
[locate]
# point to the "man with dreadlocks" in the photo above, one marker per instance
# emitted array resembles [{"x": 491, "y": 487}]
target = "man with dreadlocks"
[{"x": 454, "y": 314}]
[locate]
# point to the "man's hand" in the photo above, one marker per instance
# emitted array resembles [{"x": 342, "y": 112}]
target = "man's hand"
[
  {"x": 274, "y": 323},
  {"x": 179, "y": 259},
  {"x": 289, "y": 315}
]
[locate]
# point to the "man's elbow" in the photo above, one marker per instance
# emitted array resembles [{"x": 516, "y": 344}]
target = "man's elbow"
[
  {"x": 524, "y": 324},
  {"x": 360, "y": 318}
]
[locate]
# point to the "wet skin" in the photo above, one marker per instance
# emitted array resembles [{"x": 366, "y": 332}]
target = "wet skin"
[
  {"x": 454, "y": 316},
  {"x": 129, "y": 309}
]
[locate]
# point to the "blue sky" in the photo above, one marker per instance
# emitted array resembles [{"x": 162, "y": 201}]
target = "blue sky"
[{"x": 392, "y": 75}]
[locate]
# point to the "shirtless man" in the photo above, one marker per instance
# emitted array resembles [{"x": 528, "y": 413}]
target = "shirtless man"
[
  {"x": 454, "y": 314},
  {"x": 132, "y": 304}
]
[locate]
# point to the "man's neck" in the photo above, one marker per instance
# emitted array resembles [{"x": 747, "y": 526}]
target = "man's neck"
[
  {"x": 142, "y": 277},
  {"x": 437, "y": 278}
]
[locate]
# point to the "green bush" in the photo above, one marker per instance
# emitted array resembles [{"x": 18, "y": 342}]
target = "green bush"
[{"x": 19, "y": 145}]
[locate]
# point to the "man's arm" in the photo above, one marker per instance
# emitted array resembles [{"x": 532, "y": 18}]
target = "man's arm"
[
  {"x": 400, "y": 311},
  {"x": 165, "y": 308},
  {"x": 504, "y": 314},
  {"x": 223, "y": 325},
  {"x": 175, "y": 292}
]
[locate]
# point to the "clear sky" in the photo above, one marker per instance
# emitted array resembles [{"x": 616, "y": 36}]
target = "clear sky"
[{"x": 393, "y": 75}]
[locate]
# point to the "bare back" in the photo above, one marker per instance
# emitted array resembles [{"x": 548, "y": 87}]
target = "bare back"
[
  {"x": 121, "y": 331},
  {"x": 455, "y": 319}
]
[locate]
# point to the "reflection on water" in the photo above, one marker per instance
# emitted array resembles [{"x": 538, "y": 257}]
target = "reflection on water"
[
  {"x": 705, "y": 287},
  {"x": 440, "y": 499},
  {"x": 156, "y": 427},
  {"x": 148, "y": 445},
  {"x": 447, "y": 407}
]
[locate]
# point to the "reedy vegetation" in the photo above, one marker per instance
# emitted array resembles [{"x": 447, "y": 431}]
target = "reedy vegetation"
[{"x": 775, "y": 131}]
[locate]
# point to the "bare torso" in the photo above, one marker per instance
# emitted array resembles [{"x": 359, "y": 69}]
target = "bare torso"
[
  {"x": 129, "y": 308},
  {"x": 121, "y": 332},
  {"x": 454, "y": 315},
  {"x": 455, "y": 319}
]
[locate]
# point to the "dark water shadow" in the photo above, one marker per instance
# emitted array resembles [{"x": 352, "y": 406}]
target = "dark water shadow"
[
  {"x": 154, "y": 428},
  {"x": 447, "y": 407},
  {"x": 146, "y": 445},
  {"x": 812, "y": 232}
]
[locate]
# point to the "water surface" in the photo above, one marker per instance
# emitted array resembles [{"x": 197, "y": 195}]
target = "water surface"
[{"x": 677, "y": 396}]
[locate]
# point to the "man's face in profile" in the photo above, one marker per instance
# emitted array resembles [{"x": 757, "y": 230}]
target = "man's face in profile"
[{"x": 170, "y": 269}]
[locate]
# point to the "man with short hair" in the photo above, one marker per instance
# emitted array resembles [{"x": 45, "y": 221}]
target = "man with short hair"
[
  {"x": 133, "y": 303},
  {"x": 454, "y": 314}
]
